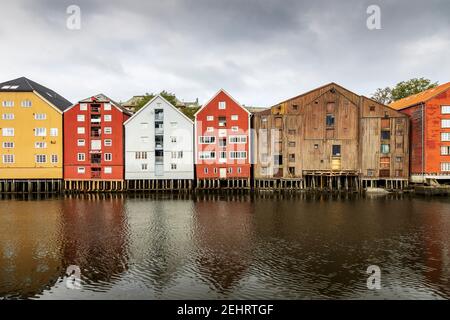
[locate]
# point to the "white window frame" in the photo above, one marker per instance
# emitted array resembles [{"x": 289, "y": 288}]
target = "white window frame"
[
  {"x": 108, "y": 130},
  {"x": 222, "y": 105},
  {"x": 445, "y": 166},
  {"x": 8, "y": 158},
  {"x": 81, "y": 156},
  {"x": 40, "y": 145},
  {"x": 209, "y": 118},
  {"x": 108, "y": 170},
  {"x": 107, "y": 118},
  {"x": 81, "y": 142},
  {"x": 40, "y": 158},
  {"x": 53, "y": 157},
  {"x": 81, "y": 170},
  {"x": 54, "y": 132},
  {"x": 445, "y": 150},
  {"x": 107, "y": 142},
  {"x": 8, "y": 132},
  {"x": 107, "y": 106},
  {"x": 445, "y": 136},
  {"x": 81, "y": 130},
  {"x": 234, "y": 128},
  {"x": 108, "y": 156},
  {"x": 83, "y": 106},
  {"x": 81, "y": 118},
  {"x": 26, "y": 103},
  {"x": 8, "y": 145},
  {"x": 8, "y": 116},
  {"x": 40, "y": 132},
  {"x": 40, "y": 116},
  {"x": 236, "y": 155},
  {"x": 207, "y": 155},
  {"x": 445, "y": 109},
  {"x": 7, "y": 103},
  {"x": 242, "y": 139},
  {"x": 445, "y": 123},
  {"x": 234, "y": 117},
  {"x": 207, "y": 139}
]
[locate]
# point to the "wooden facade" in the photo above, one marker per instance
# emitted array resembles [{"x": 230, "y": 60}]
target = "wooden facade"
[{"x": 330, "y": 138}]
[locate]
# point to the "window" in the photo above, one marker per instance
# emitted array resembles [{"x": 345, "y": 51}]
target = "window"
[
  {"x": 141, "y": 155},
  {"x": 144, "y": 125},
  {"x": 316, "y": 146},
  {"x": 238, "y": 154},
  {"x": 81, "y": 156},
  {"x": 40, "y": 132},
  {"x": 398, "y": 159},
  {"x": 222, "y": 105},
  {"x": 8, "y": 132},
  {"x": 292, "y": 144},
  {"x": 445, "y": 166},
  {"x": 145, "y": 139},
  {"x": 445, "y": 136},
  {"x": 173, "y": 139},
  {"x": 173, "y": 166},
  {"x": 108, "y": 130},
  {"x": 40, "y": 116},
  {"x": 8, "y": 104},
  {"x": 174, "y": 125},
  {"x": 222, "y": 142},
  {"x": 108, "y": 170},
  {"x": 292, "y": 157},
  {"x": 96, "y": 144},
  {"x": 107, "y": 118},
  {"x": 108, "y": 156},
  {"x": 107, "y": 143},
  {"x": 40, "y": 145},
  {"x": 372, "y": 108},
  {"x": 209, "y": 118},
  {"x": 264, "y": 171},
  {"x": 53, "y": 132},
  {"x": 207, "y": 139},
  {"x": 8, "y": 116},
  {"x": 80, "y": 130},
  {"x": 445, "y": 123},
  {"x": 80, "y": 118},
  {"x": 336, "y": 149},
  {"x": 81, "y": 142},
  {"x": 237, "y": 139},
  {"x": 445, "y": 151},
  {"x": 107, "y": 107},
  {"x": 234, "y": 117},
  {"x": 230, "y": 170},
  {"x": 215, "y": 170},
  {"x": 292, "y": 132},
  {"x": 8, "y": 145},
  {"x": 207, "y": 155},
  {"x": 234, "y": 129},
  {"x": 54, "y": 158},
  {"x": 278, "y": 160},
  {"x": 292, "y": 171},
  {"x": 385, "y": 162},
  {"x": 239, "y": 170},
  {"x": 295, "y": 107},
  {"x": 205, "y": 170},
  {"x": 41, "y": 158},
  {"x": 445, "y": 109},
  {"x": 385, "y": 148},
  {"x": 370, "y": 172},
  {"x": 330, "y": 120},
  {"x": 223, "y": 156},
  {"x": 209, "y": 129},
  {"x": 385, "y": 134},
  {"x": 177, "y": 154},
  {"x": 222, "y": 121},
  {"x": 144, "y": 166},
  {"x": 81, "y": 170},
  {"x": 83, "y": 107},
  {"x": 8, "y": 158}
]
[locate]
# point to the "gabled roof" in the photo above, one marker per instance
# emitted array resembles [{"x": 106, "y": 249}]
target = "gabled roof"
[
  {"x": 23, "y": 84},
  {"x": 227, "y": 94},
  {"x": 101, "y": 98},
  {"x": 420, "y": 97},
  {"x": 151, "y": 101}
]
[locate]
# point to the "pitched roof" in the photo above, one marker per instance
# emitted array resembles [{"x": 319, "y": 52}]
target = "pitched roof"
[
  {"x": 103, "y": 98},
  {"x": 23, "y": 84},
  {"x": 420, "y": 97},
  {"x": 228, "y": 95}
]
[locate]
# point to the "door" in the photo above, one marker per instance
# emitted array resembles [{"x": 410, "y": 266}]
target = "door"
[{"x": 223, "y": 173}]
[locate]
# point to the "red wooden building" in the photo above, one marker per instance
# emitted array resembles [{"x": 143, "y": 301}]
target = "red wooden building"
[
  {"x": 429, "y": 112},
  {"x": 222, "y": 143},
  {"x": 94, "y": 145}
]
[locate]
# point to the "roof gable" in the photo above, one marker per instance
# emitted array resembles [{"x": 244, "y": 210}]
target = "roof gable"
[
  {"x": 101, "y": 98},
  {"x": 228, "y": 95},
  {"x": 420, "y": 97},
  {"x": 23, "y": 84}
]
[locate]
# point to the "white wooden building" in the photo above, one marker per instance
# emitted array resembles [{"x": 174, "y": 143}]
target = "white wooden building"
[{"x": 159, "y": 147}]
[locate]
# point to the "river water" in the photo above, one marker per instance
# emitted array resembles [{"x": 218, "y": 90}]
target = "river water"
[{"x": 213, "y": 246}]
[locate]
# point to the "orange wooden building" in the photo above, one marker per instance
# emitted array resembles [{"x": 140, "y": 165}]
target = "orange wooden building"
[{"x": 429, "y": 112}]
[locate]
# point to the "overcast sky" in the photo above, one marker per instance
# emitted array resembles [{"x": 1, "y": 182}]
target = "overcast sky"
[{"x": 261, "y": 52}]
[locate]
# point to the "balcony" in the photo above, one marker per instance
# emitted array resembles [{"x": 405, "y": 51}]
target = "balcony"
[
  {"x": 96, "y": 174},
  {"x": 95, "y": 118},
  {"x": 159, "y": 131},
  {"x": 159, "y": 160}
]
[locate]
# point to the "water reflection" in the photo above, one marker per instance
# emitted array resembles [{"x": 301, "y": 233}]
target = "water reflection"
[{"x": 213, "y": 245}]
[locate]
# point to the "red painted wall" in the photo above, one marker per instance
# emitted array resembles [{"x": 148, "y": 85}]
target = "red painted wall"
[
  {"x": 430, "y": 131},
  {"x": 201, "y": 125},
  {"x": 71, "y": 149}
]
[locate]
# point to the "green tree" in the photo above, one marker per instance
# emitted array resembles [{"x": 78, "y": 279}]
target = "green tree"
[
  {"x": 403, "y": 89},
  {"x": 149, "y": 96}
]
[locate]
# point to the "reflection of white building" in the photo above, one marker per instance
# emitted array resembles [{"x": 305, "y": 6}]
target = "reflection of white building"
[{"x": 159, "y": 143}]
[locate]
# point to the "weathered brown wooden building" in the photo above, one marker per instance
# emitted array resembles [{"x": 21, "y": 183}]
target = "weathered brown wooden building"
[{"x": 330, "y": 138}]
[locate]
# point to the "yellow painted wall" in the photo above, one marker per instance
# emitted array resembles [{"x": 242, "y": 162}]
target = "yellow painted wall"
[{"x": 24, "y": 123}]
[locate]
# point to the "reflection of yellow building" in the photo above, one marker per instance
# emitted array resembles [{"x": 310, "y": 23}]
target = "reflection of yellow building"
[{"x": 31, "y": 131}]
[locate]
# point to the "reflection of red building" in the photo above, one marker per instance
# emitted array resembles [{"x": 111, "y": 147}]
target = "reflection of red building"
[
  {"x": 94, "y": 140},
  {"x": 222, "y": 140},
  {"x": 430, "y": 132}
]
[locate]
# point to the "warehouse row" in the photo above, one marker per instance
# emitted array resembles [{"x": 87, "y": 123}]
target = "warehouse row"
[{"x": 326, "y": 139}]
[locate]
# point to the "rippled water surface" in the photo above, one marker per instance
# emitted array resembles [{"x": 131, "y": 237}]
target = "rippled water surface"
[{"x": 227, "y": 247}]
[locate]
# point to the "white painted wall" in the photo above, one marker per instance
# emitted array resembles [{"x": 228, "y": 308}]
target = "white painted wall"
[{"x": 135, "y": 130}]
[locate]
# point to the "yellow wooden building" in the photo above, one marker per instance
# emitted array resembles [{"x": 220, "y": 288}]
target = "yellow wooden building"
[{"x": 31, "y": 133}]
